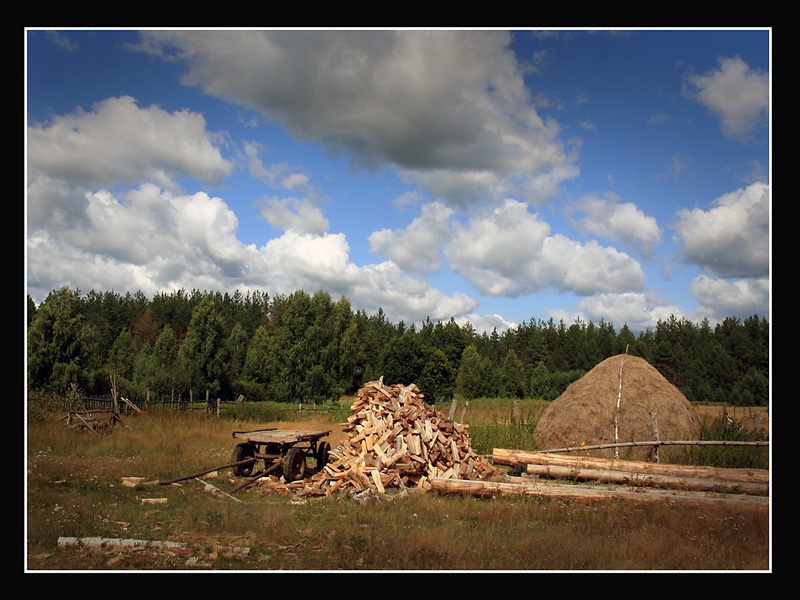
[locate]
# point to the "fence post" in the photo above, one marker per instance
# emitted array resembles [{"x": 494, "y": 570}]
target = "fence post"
[
  {"x": 654, "y": 449},
  {"x": 453, "y": 406},
  {"x": 464, "y": 411}
]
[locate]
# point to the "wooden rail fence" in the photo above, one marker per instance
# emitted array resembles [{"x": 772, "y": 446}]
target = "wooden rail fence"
[{"x": 216, "y": 406}]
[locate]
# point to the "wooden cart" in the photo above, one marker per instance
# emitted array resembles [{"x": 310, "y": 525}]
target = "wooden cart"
[{"x": 286, "y": 449}]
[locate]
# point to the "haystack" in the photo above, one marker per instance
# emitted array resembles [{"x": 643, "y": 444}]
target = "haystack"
[{"x": 615, "y": 402}]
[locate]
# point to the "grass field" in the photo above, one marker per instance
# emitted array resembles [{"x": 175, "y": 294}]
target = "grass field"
[{"x": 74, "y": 490}]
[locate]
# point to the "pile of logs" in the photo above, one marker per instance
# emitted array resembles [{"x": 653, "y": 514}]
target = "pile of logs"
[
  {"x": 637, "y": 473},
  {"x": 397, "y": 439},
  {"x": 600, "y": 479}
]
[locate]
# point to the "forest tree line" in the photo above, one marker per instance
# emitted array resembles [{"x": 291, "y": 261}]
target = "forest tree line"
[{"x": 306, "y": 347}]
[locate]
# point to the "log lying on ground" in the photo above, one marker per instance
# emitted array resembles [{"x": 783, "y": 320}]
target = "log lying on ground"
[
  {"x": 647, "y": 479},
  {"x": 522, "y": 458},
  {"x": 127, "y": 543},
  {"x": 397, "y": 439},
  {"x": 689, "y": 477},
  {"x": 583, "y": 492},
  {"x": 215, "y": 491}
]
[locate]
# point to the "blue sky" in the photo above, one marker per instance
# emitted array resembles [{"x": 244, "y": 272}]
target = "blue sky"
[{"x": 489, "y": 176}]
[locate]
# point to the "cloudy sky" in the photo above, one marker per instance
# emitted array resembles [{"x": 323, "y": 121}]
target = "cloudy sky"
[{"x": 490, "y": 176}]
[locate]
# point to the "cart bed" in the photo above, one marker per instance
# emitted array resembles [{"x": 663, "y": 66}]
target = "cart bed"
[{"x": 279, "y": 436}]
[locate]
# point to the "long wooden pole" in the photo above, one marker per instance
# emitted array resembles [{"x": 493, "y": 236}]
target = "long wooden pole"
[
  {"x": 619, "y": 401},
  {"x": 522, "y": 458},
  {"x": 575, "y": 492},
  {"x": 196, "y": 475},
  {"x": 257, "y": 476},
  {"x": 655, "y": 443},
  {"x": 702, "y": 484}
]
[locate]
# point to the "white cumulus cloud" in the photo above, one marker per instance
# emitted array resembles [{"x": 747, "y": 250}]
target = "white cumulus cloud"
[
  {"x": 732, "y": 238},
  {"x": 720, "y": 298},
  {"x": 117, "y": 141},
  {"x": 619, "y": 222},
  {"x": 105, "y": 211},
  {"x": 416, "y": 248},
  {"x": 510, "y": 252},
  {"x": 738, "y": 94},
  {"x": 297, "y": 214}
]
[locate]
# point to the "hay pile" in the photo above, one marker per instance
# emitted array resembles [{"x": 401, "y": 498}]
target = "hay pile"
[{"x": 586, "y": 413}]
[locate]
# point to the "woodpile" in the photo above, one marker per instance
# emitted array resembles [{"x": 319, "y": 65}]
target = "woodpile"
[{"x": 396, "y": 439}]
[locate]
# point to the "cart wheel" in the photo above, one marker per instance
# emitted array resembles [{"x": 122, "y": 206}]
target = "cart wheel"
[
  {"x": 323, "y": 450},
  {"x": 294, "y": 465},
  {"x": 243, "y": 452}
]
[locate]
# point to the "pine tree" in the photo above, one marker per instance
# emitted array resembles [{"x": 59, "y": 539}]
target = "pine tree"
[
  {"x": 475, "y": 378},
  {"x": 403, "y": 359},
  {"x": 122, "y": 358},
  {"x": 60, "y": 344},
  {"x": 235, "y": 352},
  {"x": 511, "y": 377},
  {"x": 256, "y": 367},
  {"x": 540, "y": 386},
  {"x": 437, "y": 380},
  {"x": 200, "y": 360}
]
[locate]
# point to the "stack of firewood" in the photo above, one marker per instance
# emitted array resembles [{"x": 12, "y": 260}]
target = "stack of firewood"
[{"x": 397, "y": 439}]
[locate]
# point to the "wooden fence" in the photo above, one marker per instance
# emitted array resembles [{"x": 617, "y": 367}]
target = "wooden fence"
[
  {"x": 103, "y": 402},
  {"x": 214, "y": 406}
]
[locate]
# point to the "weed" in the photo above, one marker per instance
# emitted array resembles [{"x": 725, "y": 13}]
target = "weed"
[{"x": 733, "y": 457}]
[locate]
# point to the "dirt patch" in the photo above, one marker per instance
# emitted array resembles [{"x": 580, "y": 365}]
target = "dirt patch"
[{"x": 615, "y": 402}]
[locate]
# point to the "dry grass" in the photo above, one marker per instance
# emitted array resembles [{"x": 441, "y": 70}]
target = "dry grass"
[
  {"x": 74, "y": 489},
  {"x": 745, "y": 415}
]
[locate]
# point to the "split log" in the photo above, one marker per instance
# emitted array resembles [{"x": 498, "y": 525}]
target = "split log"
[
  {"x": 522, "y": 458},
  {"x": 215, "y": 491}
]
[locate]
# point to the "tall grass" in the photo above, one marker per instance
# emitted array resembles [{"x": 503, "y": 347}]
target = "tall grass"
[
  {"x": 732, "y": 457},
  {"x": 268, "y": 411},
  {"x": 503, "y": 423}
]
